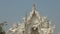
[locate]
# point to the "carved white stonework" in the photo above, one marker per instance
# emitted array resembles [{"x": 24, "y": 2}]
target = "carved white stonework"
[{"x": 32, "y": 24}]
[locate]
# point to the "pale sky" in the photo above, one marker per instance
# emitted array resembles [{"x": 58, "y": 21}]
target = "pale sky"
[{"x": 13, "y": 11}]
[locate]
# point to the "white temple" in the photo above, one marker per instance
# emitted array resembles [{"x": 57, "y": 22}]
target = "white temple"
[{"x": 32, "y": 24}]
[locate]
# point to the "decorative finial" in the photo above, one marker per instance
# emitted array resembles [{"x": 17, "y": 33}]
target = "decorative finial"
[{"x": 34, "y": 6}]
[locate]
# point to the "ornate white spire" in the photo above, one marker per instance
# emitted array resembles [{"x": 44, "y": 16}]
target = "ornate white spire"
[
  {"x": 34, "y": 7},
  {"x": 34, "y": 10}
]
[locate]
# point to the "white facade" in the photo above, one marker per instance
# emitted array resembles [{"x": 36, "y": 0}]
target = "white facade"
[{"x": 33, "y": 24}]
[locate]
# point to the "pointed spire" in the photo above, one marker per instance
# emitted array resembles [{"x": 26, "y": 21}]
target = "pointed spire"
[
  {"x": 34, "y": 6},
  {"x": 34, "y": 9},
  {"x": 34, "y": 12}
]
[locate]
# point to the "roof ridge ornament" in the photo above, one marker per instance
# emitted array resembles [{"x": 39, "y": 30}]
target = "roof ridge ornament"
[
  {"x": 34, "y": 9},
  {"x": 34, "y": 6}
]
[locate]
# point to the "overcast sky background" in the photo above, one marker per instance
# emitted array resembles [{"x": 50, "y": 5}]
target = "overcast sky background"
[{"x": 13, "y": 11}]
